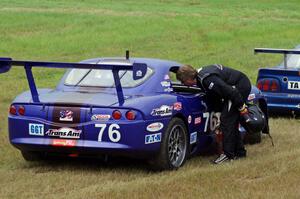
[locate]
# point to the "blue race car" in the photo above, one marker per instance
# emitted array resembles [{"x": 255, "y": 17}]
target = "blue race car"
[
  {"x": 116, "y": 106},
  {"x": 281, "y": 84}
]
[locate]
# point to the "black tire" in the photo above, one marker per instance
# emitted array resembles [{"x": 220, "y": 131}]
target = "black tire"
[
  {"x": 32, "y": 156},
  {"x": 174, "y": 147},
  {"x": 252, "y": 138}
]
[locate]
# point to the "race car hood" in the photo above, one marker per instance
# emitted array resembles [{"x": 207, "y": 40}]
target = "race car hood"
[{"x": 67, "y": 97}]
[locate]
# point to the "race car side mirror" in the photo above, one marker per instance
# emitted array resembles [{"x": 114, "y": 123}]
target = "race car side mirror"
[{"x": 5, "y": 64}]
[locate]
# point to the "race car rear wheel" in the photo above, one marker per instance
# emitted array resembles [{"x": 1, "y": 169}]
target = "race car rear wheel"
[
  {"x": 32, "y": 156},
  {"x": 173, "y": 151}
]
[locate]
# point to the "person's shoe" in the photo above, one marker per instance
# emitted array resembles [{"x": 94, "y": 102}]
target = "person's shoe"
[{"x": 222, "y": 158}]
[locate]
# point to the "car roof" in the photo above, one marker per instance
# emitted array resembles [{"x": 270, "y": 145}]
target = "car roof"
[{"x": 158, "y": 64}]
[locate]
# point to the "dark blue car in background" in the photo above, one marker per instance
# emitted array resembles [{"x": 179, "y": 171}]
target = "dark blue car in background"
[{"x": 281, "y": 84}]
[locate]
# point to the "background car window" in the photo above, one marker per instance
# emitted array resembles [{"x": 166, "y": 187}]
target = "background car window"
[
  {"x": 293, "y": 61},
  {"x": 103, "y": 78}
]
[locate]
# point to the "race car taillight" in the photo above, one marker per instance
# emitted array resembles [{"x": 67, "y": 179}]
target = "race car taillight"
[
  {"x": 117, "y": 115},
  {"x": 274, "y": 85},
  {"x": 268, "y": 85},
  {"x": 259, "y": 85},
  {"x": 21, "y": 110},
  {"x": 12, "y": 110},
  {"x": 130, "y": 115}
]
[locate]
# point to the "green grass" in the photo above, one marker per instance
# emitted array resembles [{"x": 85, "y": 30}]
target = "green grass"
[{"x": 194, "y": 32}]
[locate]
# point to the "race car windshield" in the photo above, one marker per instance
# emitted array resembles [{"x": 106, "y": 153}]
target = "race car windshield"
[
  {"x": 103, "y": 78},
  {"x": 293, "y": 61}
]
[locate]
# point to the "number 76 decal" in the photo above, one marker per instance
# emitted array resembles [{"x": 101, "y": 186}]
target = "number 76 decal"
[
  {"x": 214, "y": 119},
  {"x": 113, "y": 134}
]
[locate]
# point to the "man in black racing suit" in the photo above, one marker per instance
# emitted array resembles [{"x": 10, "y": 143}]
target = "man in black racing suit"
[{"x": 230, "y": 86}]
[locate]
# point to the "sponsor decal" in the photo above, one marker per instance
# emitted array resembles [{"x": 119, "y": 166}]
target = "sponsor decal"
[
  {"x": 64, "y": 132},
  {"x": 197, "y": 120},
  {"x": 61, "y": 142},
  {"x": 293, "y": 85},
  {"x": 189, "y": 119},
  {"x": 153, "y": 138},
  {"x": 193, "y": 138},
  {"x": 139, "y": 73},
  {"x": 66, "y": 115},
  {"x": 164, "y": 110},
  {"x": 211, "y": 85},
  {"x": 36, "y": 129},
  {"x": 168, "y": 89},
  {"x": 155, "y": 126},
  {"x": 251, "y": 96},
  {"x": 167, "y": 77},
  {"x": 102, "y": 117},
  {"x": 177, "y": 106},
  {"x": 165, "y": 83}
]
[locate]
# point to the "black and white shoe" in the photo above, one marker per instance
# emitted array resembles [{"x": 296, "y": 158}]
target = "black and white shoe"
[{"x": 222, "y": 158}]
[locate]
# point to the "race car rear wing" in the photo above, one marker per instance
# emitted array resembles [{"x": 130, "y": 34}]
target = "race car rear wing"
[
  {"x": 285, "y": 52},
  {"x": 139, "y": 71}
]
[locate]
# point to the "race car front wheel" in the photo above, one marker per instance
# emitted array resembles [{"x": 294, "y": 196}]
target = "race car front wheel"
[{"x": 173, "y": 151}]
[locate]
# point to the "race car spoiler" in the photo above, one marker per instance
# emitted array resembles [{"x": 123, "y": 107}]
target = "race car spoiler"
[
  {"x": 285, "y": 52},
  {"x": 139, "y": 71}
]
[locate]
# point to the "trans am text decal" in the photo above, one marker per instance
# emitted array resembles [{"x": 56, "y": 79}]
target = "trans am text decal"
[
  {"x": 64, "y": 133},
  {"x": 164, "y": 110}
]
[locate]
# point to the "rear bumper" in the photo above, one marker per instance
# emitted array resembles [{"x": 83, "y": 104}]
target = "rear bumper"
[
  {"x": 82, "y": 148},
  {"x": 282, "y": 102},
  {"x": 132, "y": 142}
]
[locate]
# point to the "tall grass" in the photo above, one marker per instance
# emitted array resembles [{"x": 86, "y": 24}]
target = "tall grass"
[{"x": 188, "y": 31}]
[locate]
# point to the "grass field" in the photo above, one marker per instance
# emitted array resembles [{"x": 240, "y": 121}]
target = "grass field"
[{"x": 188, "y": 31}]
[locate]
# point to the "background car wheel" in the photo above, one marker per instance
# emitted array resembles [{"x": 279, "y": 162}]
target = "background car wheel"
[
  {"x": 32, "y": 156},
  {"x": 174, "y": 147},
  {"x": 252, "y": 138}
]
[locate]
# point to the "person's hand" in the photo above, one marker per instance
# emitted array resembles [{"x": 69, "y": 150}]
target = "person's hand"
[
  {"x": 243, "y": 109},
  {"x": 244, "y": 113}
]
